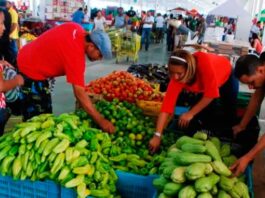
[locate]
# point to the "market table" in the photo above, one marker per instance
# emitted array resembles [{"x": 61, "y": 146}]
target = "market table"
[{"x": 234, "y": 48}]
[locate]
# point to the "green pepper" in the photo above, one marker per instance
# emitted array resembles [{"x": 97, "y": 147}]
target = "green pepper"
[
  {"x": 6, "y": 164},
  {"x": 62, "y": 146},
  {"x": 121, "y": 168},
  {"x": 64, "y": 172},
  {"x": 97, "y": 176},
  {"x": 48, "y": 123},
  {"x": 100, "y": 193},
  {"x": 82, "y": 191},
  {"x": 48, "y": 148},
  {"x": 81, "y": 144},
  {"x": 17, "y": 166},
  {"x": 118, "y": 158},
  {"x": 94, "y": 144},
  {"x": 58, "y": 163},
  {"x": 24, "y": 159},
  {"x": 80, "y": 161},
  {"x": 33, "y": 136},
  {"x": 14, "y": 150},
  {"x": 42, "y": 146},
  {"x": 153, "y": 171},
  {"x": 4, "y": 152},
  {"x": 94, "y": 157},
  {"x": 75, "y": 182},
  {"x": 43, "y": 137}
]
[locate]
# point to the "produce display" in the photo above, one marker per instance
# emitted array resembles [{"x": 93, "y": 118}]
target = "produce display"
[
  {"x": 152, "y": 73},
  {"x": 63, "y": 149},
  {"x": 198, "y": 167},
  {"x": 29, "y": 37},
  {"x": 124, "y": 86},
  {"x": 130, "y": 141}
]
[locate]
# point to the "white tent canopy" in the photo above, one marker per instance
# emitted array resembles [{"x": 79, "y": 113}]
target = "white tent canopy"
[{"x": 234, "y": 9}]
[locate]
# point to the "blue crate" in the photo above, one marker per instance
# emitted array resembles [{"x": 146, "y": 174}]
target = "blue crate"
[
  {"x": 10, "y": 188},
  {"x": 249, "y": 180},
  {"x": 130, "y": 185},
  {"x": 180, "y": 110}
]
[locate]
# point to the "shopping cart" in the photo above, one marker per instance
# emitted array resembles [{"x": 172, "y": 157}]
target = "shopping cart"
[{"x": 128, "y": 46}]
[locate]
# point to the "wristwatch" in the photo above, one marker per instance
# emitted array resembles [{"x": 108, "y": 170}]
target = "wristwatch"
[{"x": 157, "y": 134}]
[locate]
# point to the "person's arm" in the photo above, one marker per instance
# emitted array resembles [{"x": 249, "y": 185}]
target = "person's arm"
[
  {"x": 168, "y": 106},
  {"x": 91, "y": 110},
  {"x": 14, "y": 22},
  {"x": 6, "y": 85},
  {"x": 240, "y": 165},
  {"x": 254, "y": 103}
]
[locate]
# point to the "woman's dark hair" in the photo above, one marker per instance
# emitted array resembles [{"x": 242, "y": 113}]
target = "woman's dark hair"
[
  {"x": 185, "y": 59},
  {"x": 80, "y": 9},
  {"x": 255, "y": 36},
  {"x": 246, "y": 65}
]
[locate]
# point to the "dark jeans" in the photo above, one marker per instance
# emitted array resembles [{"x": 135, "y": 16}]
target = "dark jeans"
[
  {"x": 3, "y": 120},
  {"x": 13, "y": 48},
  {"x": 159, "y": 34},
  {"x": 146, "y": 33},
  {"x": 35, "y": 98},
  {"x": 224, "y": 107}
]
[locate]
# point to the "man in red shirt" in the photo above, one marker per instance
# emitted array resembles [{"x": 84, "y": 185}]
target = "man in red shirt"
[
  {"x": 205, "y": 73},
  {"x": 58, "y": 52}
]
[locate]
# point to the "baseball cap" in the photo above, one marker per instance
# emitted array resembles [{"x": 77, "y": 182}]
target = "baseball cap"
[{"x": 103, "y": 43}]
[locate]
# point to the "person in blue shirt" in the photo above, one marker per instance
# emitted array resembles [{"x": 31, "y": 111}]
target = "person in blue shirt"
[
  {"x": 119, "y": 21},
  {"x": 78, "y": 16}
]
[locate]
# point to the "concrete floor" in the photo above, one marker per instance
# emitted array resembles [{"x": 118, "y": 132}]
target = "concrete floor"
[{"x": 64, "y": 101}]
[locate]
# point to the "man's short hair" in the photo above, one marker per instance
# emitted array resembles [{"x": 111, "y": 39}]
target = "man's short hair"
[{"x": 246, "y": 65}]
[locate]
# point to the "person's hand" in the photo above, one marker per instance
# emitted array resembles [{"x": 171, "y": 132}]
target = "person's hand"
[
  {"x": 107, "y": 126},
  {"x": 154, "y": 144},
  {"x": 237, "y": 129},
  {"x": 19, "y": 79},
  {"x": 185, "y": 119},
  {"x": 5, "y": 63},
  {"x": 240, "y": 166}
]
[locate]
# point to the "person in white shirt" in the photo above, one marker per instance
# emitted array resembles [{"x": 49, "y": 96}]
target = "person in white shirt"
[
  {"x": 255, "y": 28},
  {"x": 159, "y": 28},
  {"x": 147, "y": 27},
  {"x": 99, "y": 21},
  {"x": 86, "y": 16}
]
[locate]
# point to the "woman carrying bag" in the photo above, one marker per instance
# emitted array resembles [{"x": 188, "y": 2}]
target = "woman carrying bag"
[{"x": 205, "y": 73}]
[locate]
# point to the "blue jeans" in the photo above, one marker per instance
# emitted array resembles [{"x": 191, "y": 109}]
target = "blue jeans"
[
  {"x": 146, "y": 37},
  {"x": 13, "y": 47},
  {"x": 3, "y": 120}
]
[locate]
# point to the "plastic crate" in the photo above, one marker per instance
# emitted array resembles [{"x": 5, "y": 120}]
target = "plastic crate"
[
  {"x": 249, "y": 180},
  {"x": 130, "y": 185},
  {"x": 10, "y": 188}
]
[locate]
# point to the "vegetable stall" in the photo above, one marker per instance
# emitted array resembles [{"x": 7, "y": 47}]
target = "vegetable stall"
[{"x": 72, "y": 156}]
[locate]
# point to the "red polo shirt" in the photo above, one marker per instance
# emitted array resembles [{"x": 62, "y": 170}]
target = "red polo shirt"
[
  {"x": 212, "y": 72},
  {"x": 58, "y": 52}
]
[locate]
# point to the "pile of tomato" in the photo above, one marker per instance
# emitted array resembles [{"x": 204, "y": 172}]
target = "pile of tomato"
[{"x": 123, "y": 86}]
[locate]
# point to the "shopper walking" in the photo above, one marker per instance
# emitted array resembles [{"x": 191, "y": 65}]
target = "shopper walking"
[
  {"x": 99, "y": 21},
  {"x": 78, "y": 16},
  {"x": 119, "y": 20},
  {"x": 159, "y": 28},
  {"x": 201, "y": 30},
  {"x": 13, "y": 36},
  {"x": 147, "y": 27},
  {"x": 58, "y": 52},
  {"x": 205, "y": 73}
]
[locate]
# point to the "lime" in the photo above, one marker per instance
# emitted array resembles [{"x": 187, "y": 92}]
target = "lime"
[
  {"x": 132, "y": 136},
  {"x": 139, "y": 136}
]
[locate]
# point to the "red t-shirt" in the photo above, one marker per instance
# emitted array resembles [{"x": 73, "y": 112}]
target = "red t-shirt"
[
  {"x": 58, "y": 52},
  {"x": 212, "y": 72}
]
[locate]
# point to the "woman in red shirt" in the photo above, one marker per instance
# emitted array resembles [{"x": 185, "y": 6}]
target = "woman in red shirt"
[
  {"x": 200, "y": 72},
  {"x": 256, "y": 43}
]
